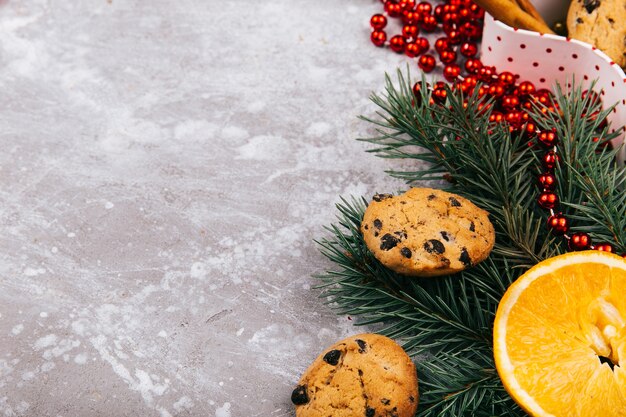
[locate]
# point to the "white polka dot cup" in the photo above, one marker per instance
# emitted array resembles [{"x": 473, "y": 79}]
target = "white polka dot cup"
[{"x": 547, "y": 59}]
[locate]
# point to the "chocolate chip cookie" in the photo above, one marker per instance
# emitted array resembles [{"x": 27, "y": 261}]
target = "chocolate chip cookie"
[
  {"x": 427, "y": 232},
  {"x": 601, "y": 23},
  {"x": 366, "y": 375}
]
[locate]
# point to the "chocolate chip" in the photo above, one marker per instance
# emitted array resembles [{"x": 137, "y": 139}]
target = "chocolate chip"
[
  {"x": 412, "y": 399},
  {"x": 445, "y": 236},
  {"x": 401, "y": 235},
  {"x": 472, "y": 227},
  {"x": 591, "y": 5},
  {"x": 385, "y": 401},
  {"x": 388, "y": 242},
  {"x": 406, "y": 252},
  {"x": 579, "y": 20},
  {"x": 611, "y": 21},
  {"x": 332, "y": 357},
  {"x": 454, "y": 202},
  {"x": 299, "y": 395},
  {"x": 465, "y": 258},
  {"x": 432, "y": 197},
  {"x": 366, "y": 227},
  {"x": 376, "y": 234},
  {"x": 370, "y": 412},
  {"x": 434, "y": 246},
  {"x": 377, "y": 224},
  {"x": 362, "y": 345},
  {"x": 380, "y": 197}
]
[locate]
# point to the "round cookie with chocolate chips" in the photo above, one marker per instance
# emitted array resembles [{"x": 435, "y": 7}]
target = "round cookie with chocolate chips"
[
  {"x": 426, "y": 232},
  {"x": 366, "y": 375}
]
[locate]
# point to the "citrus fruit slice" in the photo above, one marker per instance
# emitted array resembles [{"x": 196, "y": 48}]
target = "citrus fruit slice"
[{"x": 560, "y": 337}]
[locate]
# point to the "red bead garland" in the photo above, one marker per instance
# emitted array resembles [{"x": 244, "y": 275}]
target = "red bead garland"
[{"x": 461, "y": 22}]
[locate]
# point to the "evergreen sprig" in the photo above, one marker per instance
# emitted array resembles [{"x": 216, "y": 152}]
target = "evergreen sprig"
[{"x": 446, "y": 322}]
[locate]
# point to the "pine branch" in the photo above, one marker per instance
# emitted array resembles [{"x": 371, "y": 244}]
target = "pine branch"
[{"x": 446, "y": 322}]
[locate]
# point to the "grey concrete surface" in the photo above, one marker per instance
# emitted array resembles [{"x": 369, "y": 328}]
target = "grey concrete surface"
[{"x": 165, "y": 167}]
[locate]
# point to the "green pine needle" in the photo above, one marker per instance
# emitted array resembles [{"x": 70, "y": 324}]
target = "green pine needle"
[{"x": 446, "y": 322}]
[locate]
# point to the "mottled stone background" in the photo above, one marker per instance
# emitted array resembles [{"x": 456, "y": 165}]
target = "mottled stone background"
[{"x": 165, "y": 167}]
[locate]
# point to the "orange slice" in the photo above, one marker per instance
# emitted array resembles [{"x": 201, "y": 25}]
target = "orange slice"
[{"x": 560, "y": 337}]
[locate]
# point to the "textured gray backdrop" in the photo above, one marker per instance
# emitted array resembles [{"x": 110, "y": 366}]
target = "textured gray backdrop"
[{"x": 165, "y": 166}]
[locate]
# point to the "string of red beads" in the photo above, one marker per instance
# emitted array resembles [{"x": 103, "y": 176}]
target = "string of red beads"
[{"x": 461, "y": 21}]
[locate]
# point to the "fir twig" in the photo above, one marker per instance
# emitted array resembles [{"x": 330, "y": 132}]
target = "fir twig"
[{"x": 446, "y": 322}]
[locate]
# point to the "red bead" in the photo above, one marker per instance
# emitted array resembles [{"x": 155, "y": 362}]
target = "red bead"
[
  {"x": 496, "y": 89},
  {"x": 450, "y": 18},
  {"x": 471, "y": 31},
  {"x": 472, "y": 65},
  {"x": 423, "y": 44},
  {"x": 530, "y": 129},
  {"x": 510, "y": 102},
  {"x": 603, "y": 247},
  {"x": 410, "y": 31},
  {"x": 483, "y": 107},
  {"x": 426, "y": 63},
  {"x": 410, "y": 18},
  {"x": 451, "y": 72},
  {"x": 448, "y": 57},
  {"x": 548, "y": 139},
  {"x": 514, "y": 118},
  {"x": 464, "y": 15},
  {"x": 579, "y": 241},
  {"x": 397, "y": 44},
  {"x": 550, "y": 160},
  {"x": 439, "y": 95},
  {"x": 442, "y": 44},
  {"x": 408, "y": 4},
  {"x": 454, "y": 37},
  {"x": 496, "y": 117},
  {"x": 378, "y": 37},
  {"x": 438, "y": 12},
  {"x": 429, "y": 23},
  {"x": 477, "y": 11},
  {"x": 471, "y": 81},
  {"x": 525, "y": 88},
  {"x": 548, "y": 200},
  {"x": 412, "y": 50},
  {"x": 378, "y": 21},
  {"x": 424, "y": 7},
  {"x": 393, "y": 9},
  {"x": 468, "y": 49},
  {"x": 558, "y": 224},
  {"x": 486, "y": 73},
  {"x": 450, "y": 8},
  {"x": 547, "y": 181},
  {"x": 417, "y": 90},
  {"x": 507, "y": 78}
]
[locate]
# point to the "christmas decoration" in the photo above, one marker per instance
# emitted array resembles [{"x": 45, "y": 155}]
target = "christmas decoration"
[
  {"x": 447, "y": 322},
  {"x": 459, "y": 20}
]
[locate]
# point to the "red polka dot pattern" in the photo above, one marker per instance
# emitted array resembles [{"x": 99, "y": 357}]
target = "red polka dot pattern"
[{"x": 545, "y": 60}]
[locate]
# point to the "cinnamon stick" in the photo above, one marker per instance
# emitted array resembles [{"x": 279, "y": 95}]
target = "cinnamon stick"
[
  {"x": 528, "y": 7},
  {"x": 508, "y": 12}
]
